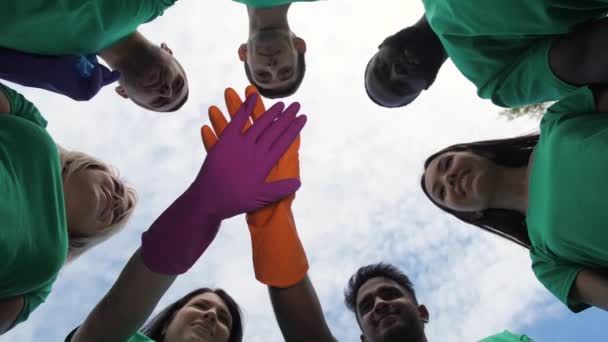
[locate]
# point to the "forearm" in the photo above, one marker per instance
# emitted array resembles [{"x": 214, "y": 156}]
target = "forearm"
[
  {"x": 127, "y": 305},
  {"x": 9, "y": 311},
  {"x": 299, "y": 314},
  {"x": 591, "y": 287}
]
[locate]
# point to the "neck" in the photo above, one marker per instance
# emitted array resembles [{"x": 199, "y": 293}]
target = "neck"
[
  {"x": 268, "y": 18},
  {"x": 116, "y": 55},
  {"x": 512, "y": 189}
]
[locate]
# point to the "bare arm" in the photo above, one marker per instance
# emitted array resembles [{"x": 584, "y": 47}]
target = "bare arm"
[
  {"x": 591, "y": 287},
  {"x": 127, "y": 305},
  {"x": 299, "y": 313},
  {"x": 9, "y": 311}
]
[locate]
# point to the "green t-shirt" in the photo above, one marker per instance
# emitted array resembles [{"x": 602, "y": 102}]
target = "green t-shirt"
[
  {"x": 567, "y": 205},
  {"x": 503, "y": 46},
  {"x": 507, "y": 336},
  {"x": 33, "y": 229},
  {"x": 138, "y": 337},
  {"x": 269, "y": 3},
  {"x": 57, "y": 27}
]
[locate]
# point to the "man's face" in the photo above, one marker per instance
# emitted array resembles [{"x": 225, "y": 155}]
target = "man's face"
[
  {"x": 272, "y": 56},
  {"x": 154, "y": 80},
  {"x": 403, "y": 67},
  {"x": 388, "y": 312}
]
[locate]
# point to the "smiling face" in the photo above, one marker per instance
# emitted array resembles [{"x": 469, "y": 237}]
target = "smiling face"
[
  {"x": 388, "y": 312},
  {"x": 205, "y": 318},
  {"x": 94, "y": 200},
  {"x": 153, "y": 79},
  {"x": 461, "y": 181}
]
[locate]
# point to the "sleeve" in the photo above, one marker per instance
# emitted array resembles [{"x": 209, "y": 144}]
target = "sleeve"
[
  {"x": 23, "y": 108},
  {"x": 580, "y": 102},
  {"x": 31, "y": 302},
  {"x": 558, "y": 277}
]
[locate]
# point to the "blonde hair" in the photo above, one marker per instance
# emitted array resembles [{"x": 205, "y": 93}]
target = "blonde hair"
[{"x": 73, "y": 161}]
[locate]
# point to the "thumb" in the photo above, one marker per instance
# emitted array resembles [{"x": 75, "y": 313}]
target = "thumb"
[
  {"x": 276, "y": 191},
  {"x": 109, "y": 76},
  {"x": 209, "y": 138}
]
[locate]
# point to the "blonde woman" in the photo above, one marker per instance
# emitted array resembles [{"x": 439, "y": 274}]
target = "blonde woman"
[{"x": 54, "y": 205}]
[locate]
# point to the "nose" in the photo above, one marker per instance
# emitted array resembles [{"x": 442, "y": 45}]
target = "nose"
[
  {"x": 380, "y": 306},
  {"x": 210, "y": 316},
  {"x": 450, "y": 179},
  {"x": 166, "y": 90}
]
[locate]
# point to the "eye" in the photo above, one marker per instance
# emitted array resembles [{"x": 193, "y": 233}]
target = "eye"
[
  {"x": 442, "y": 193},
  {"x": 286, "y": 72},
  {"x": 263, "y": 76},
  {"x": 447, "y": 163},
  {"x": 202, "y": 305},
  {"x": 364, "y": 307},
  {"x": 390, "y": 293},
  {"x": 223, "y": 317}
]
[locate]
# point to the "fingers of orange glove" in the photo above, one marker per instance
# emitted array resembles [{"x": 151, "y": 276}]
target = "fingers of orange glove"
[
  {"x": 218, "y": 120},
  {"x": 259, "y": 106},
  {"x": 234, "y": 102},
  {"x": 209, "y": 138}
]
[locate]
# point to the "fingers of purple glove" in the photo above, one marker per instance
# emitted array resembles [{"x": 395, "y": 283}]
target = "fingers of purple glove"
[
  {"x": 278, "y": 126},
  {"x": 240, "y": 118},
  {"x": 262, "y": 123},
  {"x": 281, "y": 144},
  {"x": 275, "y": 191}
]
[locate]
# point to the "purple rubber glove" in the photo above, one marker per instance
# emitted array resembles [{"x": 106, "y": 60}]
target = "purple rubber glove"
[
  {"x": 77, "y": 77},
  {"x": 230, "y": 182}
]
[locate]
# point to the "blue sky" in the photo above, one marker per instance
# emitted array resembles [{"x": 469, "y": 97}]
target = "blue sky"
[{"x": 360, "y": 201}]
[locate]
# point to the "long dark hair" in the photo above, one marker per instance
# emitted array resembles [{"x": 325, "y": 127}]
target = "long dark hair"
[
  {"x": 513, "y": 152},
  {"x": 155, "y": 328}
]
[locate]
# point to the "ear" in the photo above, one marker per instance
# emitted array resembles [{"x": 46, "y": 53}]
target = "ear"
[
  {"x": 300, "y": 44},
  {"x": 122, "y": 92},
  {"x": 423, "y": 313},
  {"x": 243, "y": 52},
  {"x": 166, "y": 48}
]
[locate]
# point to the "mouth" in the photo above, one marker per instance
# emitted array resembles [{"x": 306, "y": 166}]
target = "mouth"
[
  {"x": 203, "y": 328},
  {"x": 464, "y": 182}
]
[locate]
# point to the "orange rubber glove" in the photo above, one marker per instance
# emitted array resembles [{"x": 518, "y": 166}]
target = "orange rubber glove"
[{"x": 279, "y": 259}]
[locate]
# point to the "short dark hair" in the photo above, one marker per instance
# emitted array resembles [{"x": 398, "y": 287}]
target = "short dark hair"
[
  {"x": 154, "y": 329},
  {"x": 284, "y": 92},
  {"x": 511, "y": 152},
  {"x": 368, "y": 272}
]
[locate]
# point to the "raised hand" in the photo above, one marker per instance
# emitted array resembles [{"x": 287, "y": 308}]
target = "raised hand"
[
  {"x": 278, "y": 255},
  {"x": 231, "y": 181}
]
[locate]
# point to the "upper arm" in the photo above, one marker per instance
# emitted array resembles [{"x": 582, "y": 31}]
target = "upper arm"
[
  {"x": 299, "y": 314},
  {"x": 9, "y": 312},
  {"x": 591, "y": 287}
]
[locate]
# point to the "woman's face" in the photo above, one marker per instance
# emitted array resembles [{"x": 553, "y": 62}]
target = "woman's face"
[
  {"x": 94, "y": 200},
  {"x": 205, "y": 318},
  {"x": 461, "y": 181}
]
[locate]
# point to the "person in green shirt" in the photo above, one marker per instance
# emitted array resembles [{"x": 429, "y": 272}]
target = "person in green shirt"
[
  {"x": 507, "y": 336},
  {"x": 532, "y": 52},
  {"x": 55, "y": 205},
  {"x": 150, "y": 75},
  {"x": 273, "y": 55},
  {"x": 542, "y": 191}
]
